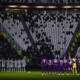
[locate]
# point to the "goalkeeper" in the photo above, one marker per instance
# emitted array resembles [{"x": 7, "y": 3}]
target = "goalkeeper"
[{"x": 74, "y": 67}]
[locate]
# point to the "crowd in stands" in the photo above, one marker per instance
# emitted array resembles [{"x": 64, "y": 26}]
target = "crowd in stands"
[{"x": 51, "y": 30}]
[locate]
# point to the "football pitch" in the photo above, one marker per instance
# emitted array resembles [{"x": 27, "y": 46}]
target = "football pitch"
[{"x": 37, "y": 75}]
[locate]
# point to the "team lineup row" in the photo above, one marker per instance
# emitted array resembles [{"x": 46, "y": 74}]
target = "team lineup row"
[
  {"x": 11, "y": 65},
  {"x": 61, "y": 65}
]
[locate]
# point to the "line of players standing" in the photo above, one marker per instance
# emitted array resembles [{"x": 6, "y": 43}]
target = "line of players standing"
[
  {"x": 60, "y": 65},
  {"x": 12, "y": 65}
]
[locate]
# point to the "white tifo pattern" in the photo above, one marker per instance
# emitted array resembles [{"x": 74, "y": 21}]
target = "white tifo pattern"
[
  {"x": 52, "y": 27},
  {"x": 58, "y": 27},
  {"x": 78, "y": 52},
  {"x": 16, "y": 30}
]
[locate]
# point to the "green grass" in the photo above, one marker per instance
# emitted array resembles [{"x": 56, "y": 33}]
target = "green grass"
[{"x": 36, "y": 75}]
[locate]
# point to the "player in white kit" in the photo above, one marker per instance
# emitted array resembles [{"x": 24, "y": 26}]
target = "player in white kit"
[
  {"x": 3, "y": 65},
  {"x": 8, "y": 66},
  {"x": 23, "y": 64},
  {"x": 15, "y": 64},
  {"x": 19, "y": 65},
  {"x": 11, "y": 65}
]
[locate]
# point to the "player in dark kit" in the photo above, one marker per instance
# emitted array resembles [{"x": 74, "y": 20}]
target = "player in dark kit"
[
  {"x": 78, "y": 60},
  {"x": 44, "y": 66},
  {"x": 70, "y": 64},
  {"x": 65, "y": 64},
  {"x": 61, "y": 68},
  {"x": 55, "y": 65},
  {"x": 49, "y": 66}
]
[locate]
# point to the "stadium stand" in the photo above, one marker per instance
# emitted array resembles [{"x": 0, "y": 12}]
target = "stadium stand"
[
  {"x": 6, "y": 51},
  {"x": 52, "y": 28},
  {"x": 50, "y": 31},
  {"x": 41, "y": 1}
]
